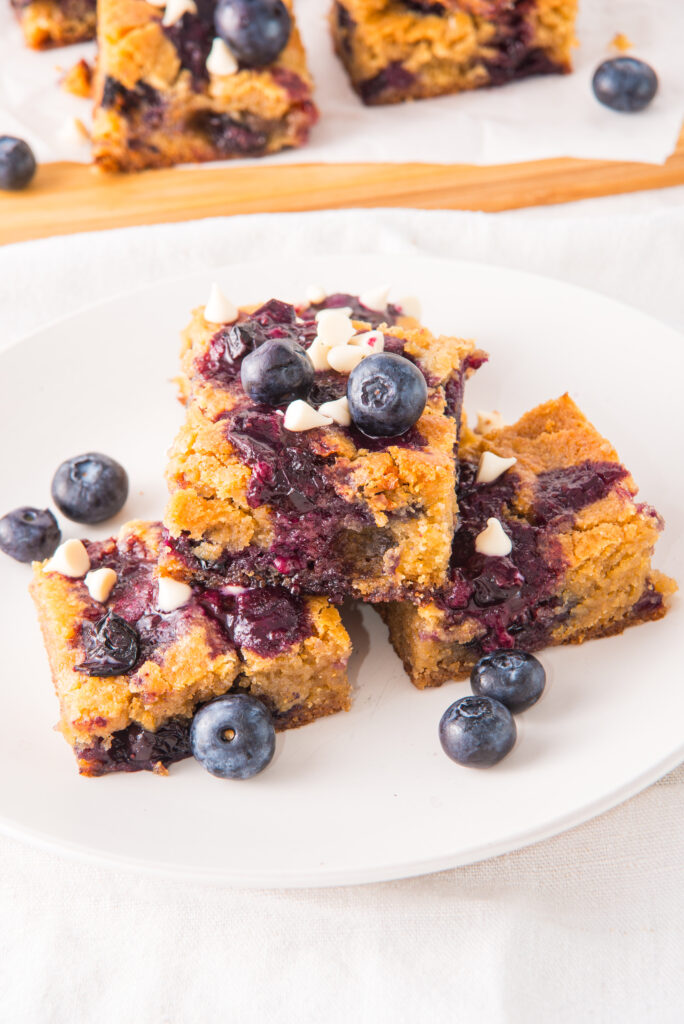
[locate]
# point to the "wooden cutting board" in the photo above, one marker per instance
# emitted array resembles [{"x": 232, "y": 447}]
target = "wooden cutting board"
[{"x": 66, "y": 198}]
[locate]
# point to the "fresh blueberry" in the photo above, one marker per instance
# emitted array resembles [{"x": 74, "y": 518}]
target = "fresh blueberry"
[
  {"x": 515, "y": 678},
  {"x": 90, "y": 488},
  {"x": 17, "y": 163},
  {"x": 387, "y": 394},
  {"x": 111, "y": 647},
  {"x": 233, "y": 736},
  {"x": 625, "y": 84},
  {"x": 256, "y": 31},
  {"x": 277, "y": 372},
  {"x": 477, "y": 731},
  {"x": 29, "y": 534}
]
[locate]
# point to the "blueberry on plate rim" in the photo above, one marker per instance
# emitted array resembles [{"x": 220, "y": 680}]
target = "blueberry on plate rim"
[
  {"x": 277, "y": 372},
  {"x": 387, "y": 394},
  {"x": 477, "y": 732},
  {"x": 17, "y": 164},
  {"x": 29, "y": 534},
  {"x": 111, "y": 645},
  {"x": 90, "y": 488},
  {"x": 256, "y": 31},
  {"x": 515, "y": 678},
  {"x": 233, "y": 736},
  {"x": 625, "y": 84}
]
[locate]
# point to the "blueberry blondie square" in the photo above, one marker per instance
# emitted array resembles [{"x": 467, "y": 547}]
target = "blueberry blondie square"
[
  {"x": 48, "y": 23},
  {"x": 396, "y": 50},
  {"x": 552, "y": 548},
  {"x": 293, "y": 493},
  {"x": 134, "y": 654},
  {"x": 171, "y": 89}
]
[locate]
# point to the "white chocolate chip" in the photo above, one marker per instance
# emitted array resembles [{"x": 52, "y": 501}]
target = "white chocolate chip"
[
  {"x": 221, "y": 60},
  {"x": 299, "y": 416},
  {"x": 175, "y": 9},
  {"x": 493, "y": 540},
  {"x": 322, "y": 314},
  {"x": 234, "y": 590},
  {"x": 315, "y": 294},
  {"x": 409, "y": 306},
  {"x": 172, "y": 594},
  {"x": 344, "y": 358},
  {"x": 338, "y": 411},
  {"x": 491, "y": 467},
  {"x": 374, "y": 298},
  {"x": 488, "y": 421},
  {"x": 318, "y": 353},
  {"x": 70, "y": 559},
  {"x": 335, "y": 327},
  {"x": 218, "y": 309},
  {"x": 157, "y": 3},
  {"x": 370, "y": 341},
  {"x": 100, "y": 583}
]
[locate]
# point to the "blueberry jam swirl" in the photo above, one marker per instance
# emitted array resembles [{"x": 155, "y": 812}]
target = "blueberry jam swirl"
[
  {"x": 266, "y": 622},
  {"x": 515, "y": 598}
]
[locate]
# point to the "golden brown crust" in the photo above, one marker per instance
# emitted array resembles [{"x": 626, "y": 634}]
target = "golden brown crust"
[
  {"x": 273, "y": 102},
  {"x": 605, "y": 549},
  {"x": 302, "y": 683},
  {"x": 440, "y": 53},
  {"x": 48, "y": 23},
  {"x": 209, "y": 482}
]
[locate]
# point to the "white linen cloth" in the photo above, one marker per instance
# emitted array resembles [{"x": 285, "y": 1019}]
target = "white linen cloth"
[
  {"x": 551, "y": 116},
  {"x": 588, "y": 926}
]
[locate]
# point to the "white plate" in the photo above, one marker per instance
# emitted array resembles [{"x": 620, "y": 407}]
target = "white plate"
[{"x": 368, "y": 795}]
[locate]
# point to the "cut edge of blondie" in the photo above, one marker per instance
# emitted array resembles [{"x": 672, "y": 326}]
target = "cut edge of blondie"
[{"x": 596, "y": 553}]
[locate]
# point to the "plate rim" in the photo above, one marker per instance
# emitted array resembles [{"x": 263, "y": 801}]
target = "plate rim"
[{"x": 294, "y": 879}]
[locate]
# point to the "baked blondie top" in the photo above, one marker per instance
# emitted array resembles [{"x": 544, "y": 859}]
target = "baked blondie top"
[
  {"x": 134, "y": 654},
  {"x": 48, "y": 23},
  {"x": 170, "y": 90},
  {"x": 396, "y": 50},
  {"x": 552, "y": 548},
  {"x": 315, "y": 505}
]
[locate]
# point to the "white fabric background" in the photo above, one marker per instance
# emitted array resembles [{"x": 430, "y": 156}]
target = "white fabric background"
[{"x": 587, "y": 927}]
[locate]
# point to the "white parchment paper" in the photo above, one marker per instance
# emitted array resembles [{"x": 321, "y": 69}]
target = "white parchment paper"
[{"x": 534, "y": 119}]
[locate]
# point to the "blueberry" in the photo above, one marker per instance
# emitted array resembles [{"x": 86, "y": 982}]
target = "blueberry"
[
  {"x": 233, "y": 736},
  {"x": 90, "y": 488},
  {"x": 515, "y": 678},
  {"x": 277, "y": 372},
  {"x": 29, "y": 534},
  {"x": 256, "y": 31},
  {"x": 111, "y": 647},
  {"x": 17, "y": 163},
  {"x": 625, "y": 83},
  {"x": 387, "y": 394},
  {"x": 477, "y": 731}
]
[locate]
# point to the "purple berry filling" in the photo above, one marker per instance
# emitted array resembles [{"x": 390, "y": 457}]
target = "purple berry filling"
[
  {"x": 192, "y": 35},
  {"x": 395, "y": 78},
  {"x": 266, "y": 621},
  {"x": 515, "y": 598}
]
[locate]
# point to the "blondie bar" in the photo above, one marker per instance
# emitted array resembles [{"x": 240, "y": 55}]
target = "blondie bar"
[
  {"x": 133, "y": 655},
  {"x": 328, "y": 510},
  {"x": 552, "y": 548},
  {"x": 396, "y": 50},
  {"x": 170, "y": 90},
  {"x": 48, "y": 23}
]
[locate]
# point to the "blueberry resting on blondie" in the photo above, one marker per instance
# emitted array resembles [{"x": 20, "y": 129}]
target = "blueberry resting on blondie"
[
  {"x": 47, "y": 23},
  {"x": 396, "y": 50},
  {"x": 196, "y": 80},
  {"x": 134, "y": 654},
  {"x": 551, "y": 548},
  {"x": 334, "y": 471}
]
